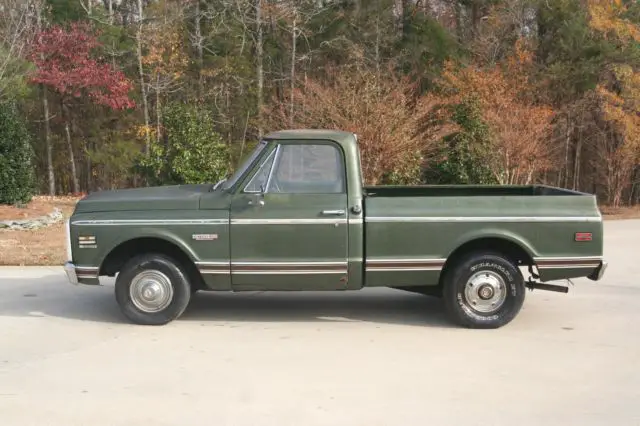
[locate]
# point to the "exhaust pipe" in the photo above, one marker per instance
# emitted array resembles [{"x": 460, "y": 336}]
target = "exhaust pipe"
[{"x": 548, "y": 287}]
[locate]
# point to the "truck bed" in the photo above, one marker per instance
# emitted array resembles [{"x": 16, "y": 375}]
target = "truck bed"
[{"x": 410, "y": 232}]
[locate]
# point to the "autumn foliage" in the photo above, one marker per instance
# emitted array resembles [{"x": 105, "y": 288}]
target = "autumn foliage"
[
  {"x": 396, "y": 128},
  {"x": 519, "y": 127},
  {"x": 438, "y": 92},
  {"x": 64, "y": 62},
  {"x": 619, "y": 99},
  {"x": 607, "y": 17}
]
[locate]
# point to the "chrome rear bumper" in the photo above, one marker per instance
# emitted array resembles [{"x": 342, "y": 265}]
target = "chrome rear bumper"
[{"x": 597, "y": 273}]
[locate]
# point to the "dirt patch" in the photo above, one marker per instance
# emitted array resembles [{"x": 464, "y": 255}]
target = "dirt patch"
[
  {"x": 39, "y": 206},
  {"x": 46, "y": 246}
]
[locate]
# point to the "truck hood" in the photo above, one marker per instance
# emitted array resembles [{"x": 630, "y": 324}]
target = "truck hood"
[{"x": 174, "y": 197}]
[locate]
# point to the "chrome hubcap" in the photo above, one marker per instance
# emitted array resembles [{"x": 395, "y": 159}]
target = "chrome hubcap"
[
  {"x": 485, "y": 291},
  {"x": 151, "y": 291}
]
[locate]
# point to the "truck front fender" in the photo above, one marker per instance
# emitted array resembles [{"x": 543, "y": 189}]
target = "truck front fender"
[{"x": 164, "y": 235}]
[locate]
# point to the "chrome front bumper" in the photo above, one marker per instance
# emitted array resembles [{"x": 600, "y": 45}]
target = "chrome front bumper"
[
  {"x": 70, "y": 270},
  {"x": 82, "y": 274}
]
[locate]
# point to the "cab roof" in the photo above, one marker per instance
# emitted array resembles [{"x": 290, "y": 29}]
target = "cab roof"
[{"x": 339, "y": 136}]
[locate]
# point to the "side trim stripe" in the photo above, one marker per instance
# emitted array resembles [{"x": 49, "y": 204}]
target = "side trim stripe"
[
  {"x": 292, "y": 272},
  {"x": 214, "y": 268},
  {"x": 404, "y": 265},
  {"x": 568, "y": 266},
  {"x": 272, "y": 268},
  {"x": 306, "y": 221},
  {"x": 313, "y": 221},
  {"x": 485, "y": 219},
  {"x": 404, "y": 269},
  {"x": 372, "y": 265},
  {"x": 567, "y": 262},
  {"x": 139, "y": 222},
  {"x": 568, "y": 259}
]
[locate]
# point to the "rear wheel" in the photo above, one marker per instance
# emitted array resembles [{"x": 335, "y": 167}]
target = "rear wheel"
[
  {"x": 483, "y": 290},
  {"x": 152, "y": 289}
]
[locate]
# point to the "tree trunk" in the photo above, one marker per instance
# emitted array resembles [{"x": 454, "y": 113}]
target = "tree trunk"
[
  {"x": 377, "y": 48},
  {"x": 459, "y": 21},
  {"x": 229, "y": 117},
  {"x": 398, "y": 14},
  {"x": 576, "y": 165},
  {"x": 47, "y": 142},
  {"x": 91, "y": 147},
  {"x": 158, "y": 110},
  {"x": 475, "y": 18},
  {"x": 294, "y": 39},
  {"x": 199, "y": 48},
  {"x": 259, "y": 70},
  {"x": 47, "y": 126},
  {"x": 566, "y": 151},
  {"x": 72, "y": 162},
  {"x": 143, "y": 89}
]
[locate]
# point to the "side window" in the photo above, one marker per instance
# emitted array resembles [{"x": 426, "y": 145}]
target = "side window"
[
  {"x": 261, "y": 176},
  {"x": 310, "y": 169}
]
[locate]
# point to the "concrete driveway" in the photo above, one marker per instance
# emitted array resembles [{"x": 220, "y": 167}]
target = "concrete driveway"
[{"x": 376, "y": 357}]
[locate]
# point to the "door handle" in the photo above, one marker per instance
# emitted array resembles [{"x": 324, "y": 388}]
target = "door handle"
[{"x": 333, "y": 212}]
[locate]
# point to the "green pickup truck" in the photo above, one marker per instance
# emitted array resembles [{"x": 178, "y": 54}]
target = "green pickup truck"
[{"x": 296, "y": 217}]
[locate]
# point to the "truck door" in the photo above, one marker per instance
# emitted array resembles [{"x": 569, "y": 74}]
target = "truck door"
[{"x": 289, "y": 226}]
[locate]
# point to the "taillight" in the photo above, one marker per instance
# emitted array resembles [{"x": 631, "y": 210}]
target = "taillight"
[{"x": 583, "y": 236}]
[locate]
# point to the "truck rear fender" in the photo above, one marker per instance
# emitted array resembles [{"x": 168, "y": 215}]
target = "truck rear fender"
[
  {"x": 511, "y": 245},
  {"x": 157, "y": 242}
]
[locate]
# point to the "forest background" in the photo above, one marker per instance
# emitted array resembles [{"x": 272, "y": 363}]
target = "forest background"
[{"x": 102, "y": 94}]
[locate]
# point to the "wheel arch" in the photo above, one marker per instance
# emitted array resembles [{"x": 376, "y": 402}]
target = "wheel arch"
[
  {"x": 118, "y": 256},
  {"x": 515, "y": 249}
]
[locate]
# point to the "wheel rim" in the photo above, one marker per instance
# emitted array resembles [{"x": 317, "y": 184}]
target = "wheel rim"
[
  {"x": 151, "y": 291},
  {"x": 485, "y": 292}
]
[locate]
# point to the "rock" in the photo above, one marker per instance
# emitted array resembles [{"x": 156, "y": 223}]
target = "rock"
[{"x": 35, "y": 223}]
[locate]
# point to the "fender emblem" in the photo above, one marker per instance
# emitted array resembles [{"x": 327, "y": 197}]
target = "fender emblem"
[{"x": 204, "y": 237}]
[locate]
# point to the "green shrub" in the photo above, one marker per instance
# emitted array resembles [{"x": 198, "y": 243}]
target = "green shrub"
[
  {"x": 407, "y": 172},
  {"x": 466, "y": 157},
  {"x": 17, "y": 179},
  {"x": 191, "y": 151}
]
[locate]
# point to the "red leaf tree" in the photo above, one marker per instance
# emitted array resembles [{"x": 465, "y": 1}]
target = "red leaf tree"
[{"x": 66, "y": 62}]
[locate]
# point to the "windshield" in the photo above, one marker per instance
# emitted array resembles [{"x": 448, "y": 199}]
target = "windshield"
[{"x": 243, "y": 168}]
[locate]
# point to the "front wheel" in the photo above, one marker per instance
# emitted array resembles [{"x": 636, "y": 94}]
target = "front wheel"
[
  {"x": 152, "y": 289},
  {"x": 483, "y": 290}
]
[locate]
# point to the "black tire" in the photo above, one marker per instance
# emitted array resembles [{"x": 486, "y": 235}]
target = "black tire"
[
  {"x": 169, "y": 268},
  {"x": 480, "y": 275}
]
